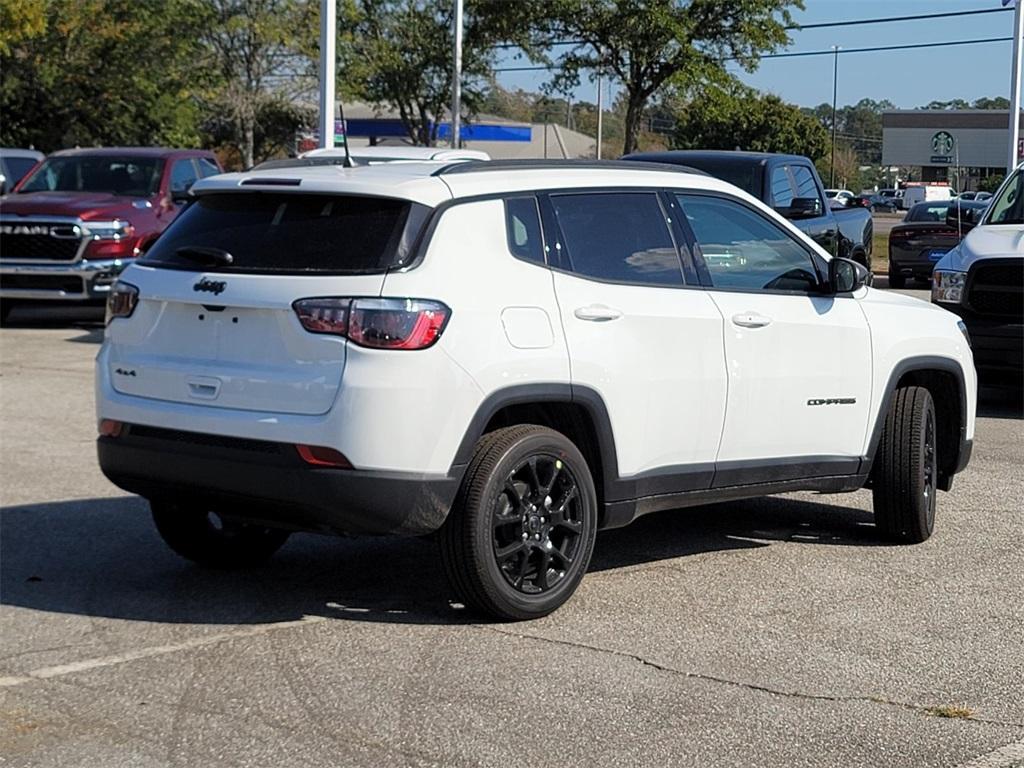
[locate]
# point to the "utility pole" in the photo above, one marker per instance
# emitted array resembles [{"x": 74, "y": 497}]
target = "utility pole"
[
  {"x": 328, "y": 32},
  {"x": 457, "y": 77},
  {"x": 1018, "y": 33},
  {"x": 835, "y": 81},
  {"x": 600, "y": 114}
]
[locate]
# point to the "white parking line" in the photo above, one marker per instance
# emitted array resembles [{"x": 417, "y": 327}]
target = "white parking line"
[
  {"x": 1010, "y": 756},
  {"x": 45, "y": 673}
]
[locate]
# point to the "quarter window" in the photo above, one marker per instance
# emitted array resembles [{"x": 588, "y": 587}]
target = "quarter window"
[
  {"x": 522, "y": 226},
  {"x": 620, "y": 237},
  {"x": 744, "y": 250}
]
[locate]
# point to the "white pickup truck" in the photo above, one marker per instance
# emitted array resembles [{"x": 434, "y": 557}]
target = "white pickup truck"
[{"x": 982, "y": 280}]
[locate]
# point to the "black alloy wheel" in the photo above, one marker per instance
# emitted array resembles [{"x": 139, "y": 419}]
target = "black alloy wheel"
[
  {"x": 520, "y": 534},
  {"x": 537, "y": 524}
]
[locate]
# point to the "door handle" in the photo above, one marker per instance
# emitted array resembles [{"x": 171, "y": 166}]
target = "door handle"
[
  {"x": 751, "y": 320},
  {"x": 597, "y": 313}
]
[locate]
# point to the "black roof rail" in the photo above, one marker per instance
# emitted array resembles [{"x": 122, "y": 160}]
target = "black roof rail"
[{"x": 484, "y": 166}]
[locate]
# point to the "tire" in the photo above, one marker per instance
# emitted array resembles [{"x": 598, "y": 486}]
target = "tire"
[
  {"x": 896, "y": 281},
  {"x": 861, "y": 258},
  {"x": 905, "y": 471},
  {"x": 203, "y": 537},
  {"x": 501, "y": 553}
]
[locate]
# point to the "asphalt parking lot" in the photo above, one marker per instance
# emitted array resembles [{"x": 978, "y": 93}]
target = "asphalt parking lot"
[{"x": 778, "y": 632}]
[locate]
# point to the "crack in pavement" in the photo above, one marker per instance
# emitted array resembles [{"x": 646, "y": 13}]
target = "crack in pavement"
[{"x": 920, "y": 708}]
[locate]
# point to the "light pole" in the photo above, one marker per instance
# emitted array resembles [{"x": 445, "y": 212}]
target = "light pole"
[
  {"x": 835, "y": 82},
  {"x": 457, "y": 76},
  {"x": 600, "y": 113},
  {"x": 328, "y": 31},
  {"x": 1018, "y": 32}
]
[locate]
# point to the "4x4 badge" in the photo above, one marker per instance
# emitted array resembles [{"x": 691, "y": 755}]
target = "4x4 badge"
[{"x": 216, "y": 287}]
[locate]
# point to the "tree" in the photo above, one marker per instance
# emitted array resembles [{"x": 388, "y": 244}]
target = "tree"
[
  {"x": 737, "y": 117},
  {"x": 648, "y": 44},
  {"x": 398, "y": 54},
  {"x": 254, "y": 50},
  {"x": 101, "y": 72}
]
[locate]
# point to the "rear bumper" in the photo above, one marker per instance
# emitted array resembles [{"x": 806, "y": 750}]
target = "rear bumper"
[
  {"x": 268, "y": 483},
  {"x": 76, "y": 281}
]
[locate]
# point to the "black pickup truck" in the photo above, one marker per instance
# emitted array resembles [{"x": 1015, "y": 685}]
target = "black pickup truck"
[{"x": 790, "y": 185}]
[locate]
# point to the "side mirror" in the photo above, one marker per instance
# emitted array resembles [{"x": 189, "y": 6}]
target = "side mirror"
[
  {"x": 845, "y": 276},
  {"x": 181, "y": 194},
  {"x": 801, "y": 208}
]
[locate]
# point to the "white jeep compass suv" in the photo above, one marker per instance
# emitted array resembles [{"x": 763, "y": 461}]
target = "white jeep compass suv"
[{"x": 514, "y": 355}]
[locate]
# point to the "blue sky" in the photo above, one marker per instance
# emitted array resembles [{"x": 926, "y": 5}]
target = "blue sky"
[{"x": 907, "y": 78}]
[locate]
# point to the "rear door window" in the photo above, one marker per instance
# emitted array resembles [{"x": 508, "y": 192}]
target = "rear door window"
[
  {"x": 290, "y": 233},
  {"x": 619, "y": 237}
]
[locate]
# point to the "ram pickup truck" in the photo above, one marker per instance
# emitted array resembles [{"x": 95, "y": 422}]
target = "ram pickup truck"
[
  {"x": 982, "y": 281},
  {"x": 789, "y": 184},
  {"x": 72, "y": 225}
]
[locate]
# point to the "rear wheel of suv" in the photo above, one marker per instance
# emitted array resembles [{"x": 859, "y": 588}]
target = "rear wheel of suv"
[
  {"x": 521, "y": 532},
  {"x": 206, "y": 538},
  {"x": 906, "y": 468},
  {"x": 895, "y": 280}
]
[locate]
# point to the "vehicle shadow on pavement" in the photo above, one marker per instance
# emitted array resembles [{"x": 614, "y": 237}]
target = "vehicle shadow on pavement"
[{"x": 103, "y": 558}]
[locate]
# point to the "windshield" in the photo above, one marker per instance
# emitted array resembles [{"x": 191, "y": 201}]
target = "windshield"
[
  {"x": 114, "y": 174},
  {"x": 1008, "y": 207},
  {"x": 266, "y": 232}
]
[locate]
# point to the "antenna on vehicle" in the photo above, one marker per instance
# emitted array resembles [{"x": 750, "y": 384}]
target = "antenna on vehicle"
[{"x": 344, "y": 127}]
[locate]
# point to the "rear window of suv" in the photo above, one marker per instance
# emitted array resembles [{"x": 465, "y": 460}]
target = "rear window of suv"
[{"x": 274, "y": 232}]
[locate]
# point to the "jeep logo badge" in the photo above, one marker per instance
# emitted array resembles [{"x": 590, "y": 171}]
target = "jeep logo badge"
[{"x": 216, "y": 287}]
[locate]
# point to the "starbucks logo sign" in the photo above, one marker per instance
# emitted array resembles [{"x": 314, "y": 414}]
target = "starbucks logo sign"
[{"x": 942, "y": 143}]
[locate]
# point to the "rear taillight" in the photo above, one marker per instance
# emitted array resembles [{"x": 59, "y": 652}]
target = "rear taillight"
[
  {"x": 376, "y": 323},
  {"x": 121, "y": 300}
]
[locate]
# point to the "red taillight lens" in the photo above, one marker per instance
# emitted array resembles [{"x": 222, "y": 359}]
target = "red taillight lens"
[
  {"x": 376, "y": 323},
  {"x": 111, "y": 428},
  {"x": 122, "y": 300},
  {"x": 321, "y": 456}
]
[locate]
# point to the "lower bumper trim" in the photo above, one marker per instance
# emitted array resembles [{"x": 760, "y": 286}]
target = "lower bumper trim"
[{"x": 278, "y": 489}]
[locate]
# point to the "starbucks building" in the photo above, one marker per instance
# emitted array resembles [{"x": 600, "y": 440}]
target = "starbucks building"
[{"x": 958, "y": 146}]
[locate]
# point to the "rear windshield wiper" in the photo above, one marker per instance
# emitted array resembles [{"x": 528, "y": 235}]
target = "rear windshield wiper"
[{"x": 205, "y": 255}]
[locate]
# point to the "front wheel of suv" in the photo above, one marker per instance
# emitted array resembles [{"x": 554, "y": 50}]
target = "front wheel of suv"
[
  {"x": 206, "y": 538},
  {"x": 521, "y": 532},
  {"x": 906, "y": 468}
]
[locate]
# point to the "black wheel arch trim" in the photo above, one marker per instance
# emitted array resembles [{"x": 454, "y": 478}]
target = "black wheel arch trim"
[{"x": 924, "y": 363}]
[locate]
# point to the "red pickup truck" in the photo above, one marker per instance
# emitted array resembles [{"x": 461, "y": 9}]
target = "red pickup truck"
[{"x": 74, "y": 222}]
